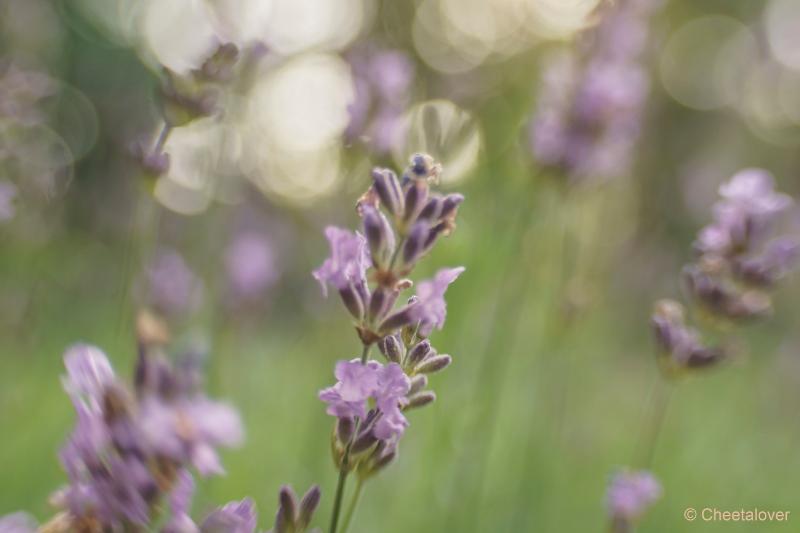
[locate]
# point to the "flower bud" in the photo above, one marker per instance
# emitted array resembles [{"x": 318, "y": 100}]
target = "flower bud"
[
  {"x": 414, "y": 246},
  {"x": 419, "y": 352},
  {"x": 432, "y": 210},
  {"x": 308, "y": 505},
  {"x": 344, "y": 429},
  {"x": 416, "y": 198},
  {"x": 450, "y": 206},
  {"x": 363, "y": 442},
  {"x": 379, "y": 236},
  {"x": 418, "y": 383},
  {"x": 390, "y": 348},
  {"x": 388, "y": 189},
  {"x": 381, "y": 302},
  {"x": 287, "y": 510},
  {"x": 434, "y": 364},
  {"x": 352, "y": 300},
  {"x": 396, "y": 320},
  {"x": 420, "y": 400}
]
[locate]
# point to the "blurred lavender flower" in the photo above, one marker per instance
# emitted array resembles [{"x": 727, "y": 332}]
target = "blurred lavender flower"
[
  {"x": 738, "y": 257},
  {"x": 629, "y": 496},
  {"x": 18, "y": 523},
  {"x": 591, "y": 100},
  {"x": 171, "y": 287},
  {"x": 8, "y": 192},
  {"x": 402, "y": 220},
  {"x": 738, "y": 262},
  {"x": 382, "y": 81},
  {"x": 250, "y": 265},
  {"x": 234, "y": 517},
  {"x": 128, "y": 452}
]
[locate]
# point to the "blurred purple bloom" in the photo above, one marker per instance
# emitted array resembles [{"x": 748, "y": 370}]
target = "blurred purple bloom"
[
  {"x": 630, "y": 494},
  {"x": 590, "y": 103},
  {"x": 431, "y": 309},
  {"x": 780, "y": 256},
  {"x": 250, "y": 264},
  {"x": 190, "y": 429},
  {"x": 348, "y": 262},
  {"x": 390, "y": 394},
  {"x": 18, "y": 523},
  {"x": 88, "y": 373},
  {"x": 180, "y": 503},
  {"x": 8, "y": 192},
  {"x": 749, "y": 206},
  {"x": 234, "y": 517},
  {"x": 382, "y": 80},
  {"x": 173, "y": 288}
]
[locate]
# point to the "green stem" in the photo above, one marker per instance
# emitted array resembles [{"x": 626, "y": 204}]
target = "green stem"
[
  {"x": 662, "y": 394},
  {"x": 344, "y": 469},
  {"x": 351, "y": 509}
]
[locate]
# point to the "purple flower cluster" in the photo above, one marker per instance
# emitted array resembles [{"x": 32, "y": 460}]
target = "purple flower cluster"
[
  {"x": 170, "y": 286},
  {"x": 629, "y": 496},
  {"x": 128, "y": 451},
  {"x": 251, "y": 267},
  {"x": 382, "y": 79},
  {"x": 132, "y": 453},
  {"x": 739, "y": 261},
  {"x": 401, "y": 219},
  {"x": 591, "y": 100}
]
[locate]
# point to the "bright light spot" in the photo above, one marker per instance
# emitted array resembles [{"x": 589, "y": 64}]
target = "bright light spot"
[
  {"x": 299, "y": 177},
  {"x": 241, "y": 21},
  {"x": 704, "y": 61},
  {"x": 302, "y": 106},
  {"x": 559, "y": 18},
  {"x": 445, "y": 131},
  {"x": 297, "y": 25},
  {"x": 782, "y": 18},
  {"x": 179, "y": 32}
]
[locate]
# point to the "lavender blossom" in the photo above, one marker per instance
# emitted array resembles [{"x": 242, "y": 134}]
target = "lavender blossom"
[
  {"x": 173, "y": 289},
  {"x": 382, "y": 81},
  {"x": 126, "y": 450},
  {"x": 234, "y": 517},
  {"x": 680, "y": 345},
  {"x": 430, "y": 308},
  {"x": 629, "y": 496},
  {"x": 402, "y": 221},
  {"x": 250, "y": 265},
  {"x": 591, "y": 100},
  {"x": 17, "y": 523},
  {"x": 738, "y": 258}
]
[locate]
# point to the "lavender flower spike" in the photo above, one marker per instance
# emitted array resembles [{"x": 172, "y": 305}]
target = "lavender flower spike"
[
  {"x": 390, "y": 395},
  {"x": 629, "y": 496}
]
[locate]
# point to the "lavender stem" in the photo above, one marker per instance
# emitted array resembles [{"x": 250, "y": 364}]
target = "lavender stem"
[
  {"x": 162, "y": 138},
  {"x": 351, "y": 509}
]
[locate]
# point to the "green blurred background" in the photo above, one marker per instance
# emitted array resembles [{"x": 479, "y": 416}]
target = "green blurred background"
[{"x": 554, "y": 375}]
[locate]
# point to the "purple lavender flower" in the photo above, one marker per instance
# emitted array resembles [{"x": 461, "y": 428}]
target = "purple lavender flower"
[
  {"x": 748, "y": 208},
  {"x": 124, "y": 451},
  {"x": 8, "y": 192},
  {"x": 382, "y": 81},
  {"x": 180, "y": 503},
  {"x": 591, "y": 100},
  {"x": 234, "y": 517},
  {"x": 630, "y": 494},
  {"x": 348, "y": 263},
  {"x": 390, "y": 395},
  {"x": 251, "y": 266},
  {"x": 680, "y": 344},
  {"x": 431, "y": 309},
  {"x": 356, "y": 383},
  {"x": 18, "y": 523},
  {"x": 173, "y": 288}
]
